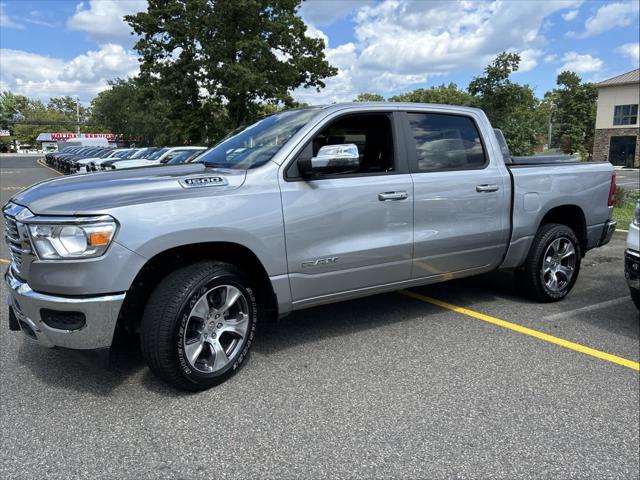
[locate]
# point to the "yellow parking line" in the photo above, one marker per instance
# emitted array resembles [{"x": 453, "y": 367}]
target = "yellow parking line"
[
  {"x": 42, "y": 164},
  {"x": 2, "y": 260},
  {"x": 526, "y": 331}
]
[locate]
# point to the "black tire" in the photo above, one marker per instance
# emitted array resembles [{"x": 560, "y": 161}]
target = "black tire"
[
  {"x": 166, "y": 318},
  {"x": 635, "y": 296},
  {"x": 530, "y": 277}
]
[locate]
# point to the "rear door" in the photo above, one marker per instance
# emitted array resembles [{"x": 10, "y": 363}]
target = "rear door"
[
  {"x": 461, "y": 196},
  {"x": 349, "y": 231}
]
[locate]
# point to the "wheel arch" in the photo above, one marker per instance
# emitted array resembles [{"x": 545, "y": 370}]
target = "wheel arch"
[
  {"x": 572, "y": 216},
  {"x": 167, "y": 261}
]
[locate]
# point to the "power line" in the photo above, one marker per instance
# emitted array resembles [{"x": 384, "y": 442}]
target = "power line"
[{"x": 46, "y": 122}]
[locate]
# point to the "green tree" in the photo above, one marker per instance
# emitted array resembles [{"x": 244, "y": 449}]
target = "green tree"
[
  {"x": 135, "y": 112},
  {"x": 509, "y": 106},
  {"x": 444, "y": 94},
  {"x": 369, "y": 97},
  {"x": 202, "y": 54},
  {"x": 26, "y": 118},
  {"x": 12, "y": 109},
  {"x": 573, "y": 114}
]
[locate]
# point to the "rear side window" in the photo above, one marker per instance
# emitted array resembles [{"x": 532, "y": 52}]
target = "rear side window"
[{"x": 446, "y": 142}]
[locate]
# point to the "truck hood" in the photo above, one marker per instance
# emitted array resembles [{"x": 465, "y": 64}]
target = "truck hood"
[{"x": 99, "y": 192}]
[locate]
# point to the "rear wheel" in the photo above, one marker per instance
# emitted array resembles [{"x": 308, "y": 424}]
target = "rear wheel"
[
  {"x": 552, "y": 266},
  {"x": 198, "y": 325}
]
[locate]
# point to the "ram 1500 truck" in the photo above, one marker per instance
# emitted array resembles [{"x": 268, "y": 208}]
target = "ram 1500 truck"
[{"x": 304, "y": 207}]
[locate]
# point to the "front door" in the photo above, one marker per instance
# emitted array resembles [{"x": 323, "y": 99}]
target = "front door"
[
  {"x": 353, "y": 230},
  {"x": 622, "y": 150}
]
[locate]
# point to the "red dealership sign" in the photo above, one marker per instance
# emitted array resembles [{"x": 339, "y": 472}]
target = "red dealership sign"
[{"x": 67, "y": 136}]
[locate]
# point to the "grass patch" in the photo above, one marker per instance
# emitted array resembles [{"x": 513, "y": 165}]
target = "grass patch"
[{"x": 625, "y": 205}]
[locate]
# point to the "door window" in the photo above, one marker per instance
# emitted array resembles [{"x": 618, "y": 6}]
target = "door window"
[
  {"x": 370, "y": 133},
  {"x": 446, "y": 142}
]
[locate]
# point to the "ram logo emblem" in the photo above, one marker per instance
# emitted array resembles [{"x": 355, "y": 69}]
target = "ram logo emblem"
[{"x": 319, "y": 262}]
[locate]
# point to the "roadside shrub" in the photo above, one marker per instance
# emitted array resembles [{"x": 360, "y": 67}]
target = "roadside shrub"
[{"x": 621, "y": 197}]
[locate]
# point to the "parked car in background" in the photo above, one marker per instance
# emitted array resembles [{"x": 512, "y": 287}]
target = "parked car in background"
[
  {"x": 165, "y": 157},
  {"x": 79, "y": 165},
  {"x": 139, "y": 154},
  {"x": 62, "y": 162},
  {"x": 94, "y": 165},
  {"x": 632, "y": 257},
  {"x": 305, "y": 207},
  {"x": 187, "y": 156}
]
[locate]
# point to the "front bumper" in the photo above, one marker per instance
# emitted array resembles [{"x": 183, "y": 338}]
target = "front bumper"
[
  {"x": 101, "y": 314},
  {"x": 632, "y": 268}
]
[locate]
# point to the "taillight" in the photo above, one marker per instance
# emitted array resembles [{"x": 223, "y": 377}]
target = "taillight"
[{"x": 612, "y": 191}]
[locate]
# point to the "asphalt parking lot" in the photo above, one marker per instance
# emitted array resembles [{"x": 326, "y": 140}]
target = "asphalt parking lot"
[
  {"x": 389, "y": 386},
  {"x": 628, "y": 178}
]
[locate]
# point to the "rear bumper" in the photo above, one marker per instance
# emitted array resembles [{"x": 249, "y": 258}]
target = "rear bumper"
[
  {"x": 100, "y": 313},
  {"x": 607, "y": 232},
  {"x": 632, "y": 268}
]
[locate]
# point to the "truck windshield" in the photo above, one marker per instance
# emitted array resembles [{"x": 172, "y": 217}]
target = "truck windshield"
[{"x": 252, "y": 146}]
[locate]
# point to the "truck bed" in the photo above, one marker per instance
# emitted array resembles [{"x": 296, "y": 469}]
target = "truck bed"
[
  {"x": 543, "y": 160},
  {"x": 538, "y": 188}
]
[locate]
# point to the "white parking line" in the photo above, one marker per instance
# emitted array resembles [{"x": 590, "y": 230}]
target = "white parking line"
[{"x": 588, "y": 308}]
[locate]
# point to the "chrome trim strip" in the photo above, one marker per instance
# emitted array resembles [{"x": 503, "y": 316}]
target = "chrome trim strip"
[
  {"x": 53, "y": 220},
  {"x": 24, "y": 289}
]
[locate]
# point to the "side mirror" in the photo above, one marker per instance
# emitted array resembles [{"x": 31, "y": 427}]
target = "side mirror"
[{"x": 331, "y": 159}]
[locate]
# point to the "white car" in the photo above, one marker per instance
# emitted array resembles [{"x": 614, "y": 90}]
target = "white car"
[
  {"x": 95, "y": 165},
  {"x": 165, "y": 157},
  {"x": 632, "y": 257}
]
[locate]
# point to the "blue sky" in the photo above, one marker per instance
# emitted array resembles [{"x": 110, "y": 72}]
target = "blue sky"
[{"x": 60, "y": 47}]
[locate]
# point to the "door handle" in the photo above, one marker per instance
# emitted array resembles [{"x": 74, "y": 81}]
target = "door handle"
[
  {"x": 386, "y": 196},
  {"x": 487, "y": 188}
]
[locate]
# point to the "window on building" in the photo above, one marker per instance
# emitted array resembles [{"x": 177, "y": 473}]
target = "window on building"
[{"x": 625, "y": 114}]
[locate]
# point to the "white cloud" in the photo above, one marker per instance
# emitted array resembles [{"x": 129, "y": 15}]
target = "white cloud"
[
  {"x": 570, "y": 15},
  {"x": 314, "y": 32},
  {"x": 529, "y": 59},
  {"x": 43, "y": 77},
  {"x": 6, "y": 21},
  {"x": 552, "y": 57},
  {"x": 401, "y": 43},
  {"x": 575, "y": 62},
  {"x": 632, "y": 51},
  {"x": 103, "y": 20},
  {"x": 621, "y": 14}
]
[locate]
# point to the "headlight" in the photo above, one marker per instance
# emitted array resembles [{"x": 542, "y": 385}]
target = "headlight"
[
  {"x": 636, "y": 215},
  {"x": 53, "y": 241}
]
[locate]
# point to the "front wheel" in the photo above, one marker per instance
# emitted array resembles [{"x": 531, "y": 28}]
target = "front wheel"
[
  {"x": 198, "y": 325},
  {"x": 552, "y": 266}
]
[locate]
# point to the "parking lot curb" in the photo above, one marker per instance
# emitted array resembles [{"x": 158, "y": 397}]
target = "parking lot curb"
[{"x": 41, "y": 162}]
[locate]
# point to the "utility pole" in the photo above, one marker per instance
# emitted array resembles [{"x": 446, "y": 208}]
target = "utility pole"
[
  {"x": 549, "y": 126},
  {"x": 78, "y": 115}
]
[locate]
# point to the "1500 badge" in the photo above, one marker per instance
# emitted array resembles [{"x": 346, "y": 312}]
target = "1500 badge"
[
  {"x": 320, "y": 261},
  {"x": 194, "y": 182}
]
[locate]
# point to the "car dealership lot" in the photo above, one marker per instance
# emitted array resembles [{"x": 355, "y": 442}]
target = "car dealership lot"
[{"x": 386, "y": 386}]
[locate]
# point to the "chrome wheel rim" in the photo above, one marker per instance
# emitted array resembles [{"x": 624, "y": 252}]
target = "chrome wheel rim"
[
  {"x": 216, "y": 328},
  {"x": 559, "y": 264}
]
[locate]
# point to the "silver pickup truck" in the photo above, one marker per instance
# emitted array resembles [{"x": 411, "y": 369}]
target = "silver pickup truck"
[{"x": 302, "y": 208}]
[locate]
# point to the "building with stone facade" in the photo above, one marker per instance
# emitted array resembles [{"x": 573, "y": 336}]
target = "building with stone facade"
[{"x": 617, "y": 136}]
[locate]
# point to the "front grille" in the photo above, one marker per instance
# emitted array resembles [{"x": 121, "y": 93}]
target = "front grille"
[{"x": 17, "y": 240}]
